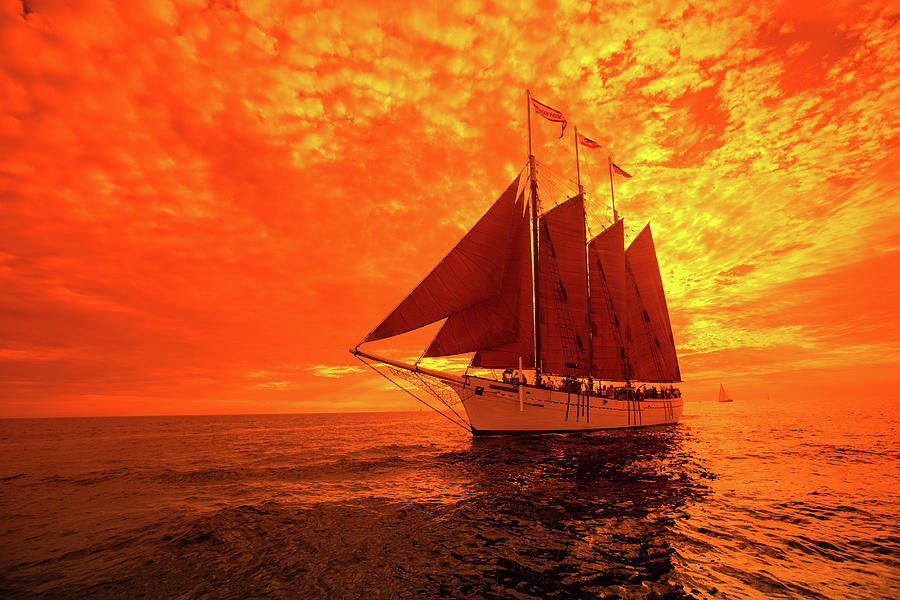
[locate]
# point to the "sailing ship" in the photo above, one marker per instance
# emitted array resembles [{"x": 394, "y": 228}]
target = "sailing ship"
[
  {"x": 723, "y": 395},
  {"x": 579, "y": 328}
]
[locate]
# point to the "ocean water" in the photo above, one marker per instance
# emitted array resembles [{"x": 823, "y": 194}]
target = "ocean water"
[{"x": 741, "y": 500}]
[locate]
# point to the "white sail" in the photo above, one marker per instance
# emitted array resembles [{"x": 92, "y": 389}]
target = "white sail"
[{"x": 723, "y": 395}]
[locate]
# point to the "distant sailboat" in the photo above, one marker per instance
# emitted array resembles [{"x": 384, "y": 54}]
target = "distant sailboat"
[
  {"x": 527, "y": 292},
  {"x": 723, "y": 395}
]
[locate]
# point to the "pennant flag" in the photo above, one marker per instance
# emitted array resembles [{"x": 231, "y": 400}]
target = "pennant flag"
[
  {"x": 551, "y": 114},
  {"x": 585, "y": 141},
  {"x": 619, "y": 170}
]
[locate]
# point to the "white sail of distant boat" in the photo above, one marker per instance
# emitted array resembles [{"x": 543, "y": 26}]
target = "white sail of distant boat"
[
  {"x": 579, "y": 327},
  {"x": 723, "y": 395}
]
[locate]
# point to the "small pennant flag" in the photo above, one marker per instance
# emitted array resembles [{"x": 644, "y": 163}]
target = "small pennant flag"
[
  {"x": 551, "y": 114},
  {"x": 585, "y": 141},
  {"x": 619, "y": 170}
]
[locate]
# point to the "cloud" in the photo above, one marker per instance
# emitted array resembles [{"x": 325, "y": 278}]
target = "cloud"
[
  {"x": 334, "y": 372},
  {"x": 276, "y": 385},
  {"x": 192, "y": 192}
]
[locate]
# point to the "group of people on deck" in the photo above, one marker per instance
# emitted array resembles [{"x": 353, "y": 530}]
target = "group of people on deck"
[{"x": 574, "y": 386}]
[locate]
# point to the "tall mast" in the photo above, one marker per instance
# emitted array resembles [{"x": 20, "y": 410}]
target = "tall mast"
[
  {"x": 616, "y": 218},
  {"x": 587, "y": 269},
  {"x": 587, "y": 277},
  {"x": 534, "y": 251},
  {"x": 611, "y": 192}
]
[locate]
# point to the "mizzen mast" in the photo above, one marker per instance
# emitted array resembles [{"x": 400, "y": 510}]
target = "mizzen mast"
[
  {"x": 612, "y": 194},
  {"x": 587, "y": 270},
  {"x": 578, "y": 164}
]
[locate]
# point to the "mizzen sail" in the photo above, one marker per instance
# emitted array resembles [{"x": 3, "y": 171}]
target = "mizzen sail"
[{"x": 650, "y": 344}]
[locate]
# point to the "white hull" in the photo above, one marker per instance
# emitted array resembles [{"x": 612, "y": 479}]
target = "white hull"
[{"x": 494, "y": 407}]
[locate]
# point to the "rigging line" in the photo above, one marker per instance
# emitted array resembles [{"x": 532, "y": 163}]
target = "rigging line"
[
  {"x": 558, "y": 174},
  {"x": 558, "y": 179},
  {"x": 466, "y": 427},
  {"x": 424, "y": 350},
  {"x": 558, "y": 188},
  {"x": 554, "y": 193},
  {"x": 469, "y": 428},
  {"x": 439, "y": 397}
]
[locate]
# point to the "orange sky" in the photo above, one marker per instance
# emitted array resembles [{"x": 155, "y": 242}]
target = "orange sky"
[{"x": 204, "y": 204}]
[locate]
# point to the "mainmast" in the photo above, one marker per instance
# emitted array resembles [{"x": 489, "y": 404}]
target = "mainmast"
[{"x": 534, "y": 250}]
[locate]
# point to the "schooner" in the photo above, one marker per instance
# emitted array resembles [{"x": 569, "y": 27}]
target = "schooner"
[{"x": 580, "y": 328}]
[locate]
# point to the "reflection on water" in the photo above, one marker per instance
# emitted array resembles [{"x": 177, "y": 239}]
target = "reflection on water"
[
  {"x": 731, "y": 503},
  {"x": 571, "y": 516}
]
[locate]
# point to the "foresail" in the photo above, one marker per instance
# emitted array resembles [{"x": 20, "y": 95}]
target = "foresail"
[
  {"x": 519, "y": 308},
  {"x": 497, "y": 320},
  {"x": 649, "y": 342},
  {"x": 606, "y": 263},
  {"x": 470, "y": 273},
  {"x": 563, "y": 290}
]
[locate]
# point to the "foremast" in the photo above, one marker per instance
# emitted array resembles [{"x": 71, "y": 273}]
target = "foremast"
[{"x": 535, "y": 272}]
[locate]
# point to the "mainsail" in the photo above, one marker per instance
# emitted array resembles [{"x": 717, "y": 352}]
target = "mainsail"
[
  {"x": 650, "y": 345},
  {"x": 563, "y": 288},
  {"x": 469, "y": 274}
]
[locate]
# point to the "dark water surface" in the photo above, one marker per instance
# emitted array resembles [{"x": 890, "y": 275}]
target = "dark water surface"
[{"x": 738, "y": 501}]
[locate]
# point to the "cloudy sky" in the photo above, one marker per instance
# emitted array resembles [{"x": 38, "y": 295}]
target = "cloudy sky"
[{"x": 203, "y": 204}]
